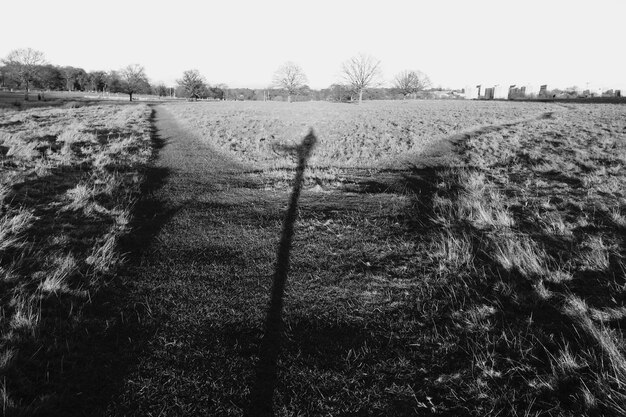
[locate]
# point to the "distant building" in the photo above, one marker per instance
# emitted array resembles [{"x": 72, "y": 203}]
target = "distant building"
[
  {"x": 471, "y": 93},
  {"x": 488, "y": 93},
  {"x": 500, "y": 92},
  {"x": 530, "y": 91},
  {"x": 515, "y": 92}
]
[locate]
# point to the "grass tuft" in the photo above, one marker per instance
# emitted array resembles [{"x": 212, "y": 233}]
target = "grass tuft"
[
  {"x": 26, "y": 315},
  {"x": 595, "y": 254},
  {"x": 56, "y": 282},
  {"x": 79, "y": 197},
  {"x": 521, "y": 254},
  {"x": 13, "y": 225},
  {"x": 453, "y": 252}
]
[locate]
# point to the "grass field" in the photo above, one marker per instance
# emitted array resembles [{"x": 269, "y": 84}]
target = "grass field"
[
  {"x": 14, "y": 100},
  {"x": 534, "y": 223},
  {"x": 373, "y": 135},
  {"x": 452, "y": 258},
  {"x": 70, "y": 177},
  {"x": 480, "y": 278}
]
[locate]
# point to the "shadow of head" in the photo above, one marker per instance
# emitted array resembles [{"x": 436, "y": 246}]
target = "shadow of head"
[{"x": 301, "y": 151}]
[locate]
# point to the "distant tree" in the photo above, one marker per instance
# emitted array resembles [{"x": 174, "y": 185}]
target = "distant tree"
[
  {"x": 113, "y": 82},
  {"x": 573, "y": 91},
  {"x": 290, "y": 77},
  {"x": 179, "y": 91},
  {"x": 25, "y": 64},
  {"x": 3, "y": 76},
  {"x": 241, "y": 94},
  {"x": 81, "y": 80},
  {"x": 261, "y": 94},
  {"x": 68, "y": 75},
  {"x": 361, "y": 72},
  {"x": 9, "y": 79},
  {"x": 193, "y": 83},
  {"x": 97, "y": 80},
  {"x": 134, "y": 80},
  {"x": 304, "y": 92},
  {"x": 338, "y": 92},
  {"x": 50, "y": 77},
  {"x": 160, "y": 89},
  {"x": 411, "y": 82},
  {"x": 377, "y": 93},
  {"x": 76, "y": 79},
  {"x": 205, "y": 91},
  {"x": 224, "y": 89},
  {"x": 216, "y": 93}
]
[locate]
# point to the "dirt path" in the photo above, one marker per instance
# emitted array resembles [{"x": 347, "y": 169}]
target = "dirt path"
[
  {"x": 357, "y": 302},
  {"x": 208, "y": 240},
  {"x": 201, "y": 274}
]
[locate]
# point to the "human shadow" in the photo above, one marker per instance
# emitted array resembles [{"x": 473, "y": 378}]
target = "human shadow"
[{"x": 508, "y": 297}]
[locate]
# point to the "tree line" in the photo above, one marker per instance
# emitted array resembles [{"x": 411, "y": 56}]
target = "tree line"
[
  {"x": 360, "y": 74},
  {"x": 28, "y": 69}
]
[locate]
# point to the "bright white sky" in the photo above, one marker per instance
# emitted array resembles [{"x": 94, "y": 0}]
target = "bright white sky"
[{"x": 242, "y": 42}]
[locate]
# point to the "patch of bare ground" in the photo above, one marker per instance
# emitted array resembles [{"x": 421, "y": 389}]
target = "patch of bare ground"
[{"x": 70, "y": 177}]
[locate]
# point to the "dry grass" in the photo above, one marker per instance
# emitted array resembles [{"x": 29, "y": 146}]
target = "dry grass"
[
  {"x": 372, "y": 135},
  {"x": 490, "y": 286},
  {"x": 557, "y": 252},
  {"x": 62, "y": 212}
]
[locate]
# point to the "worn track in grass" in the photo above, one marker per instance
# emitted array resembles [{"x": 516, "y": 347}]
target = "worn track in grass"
[
  {"x": 208, "y": 234},
  {"x": 371, "y": 321}
]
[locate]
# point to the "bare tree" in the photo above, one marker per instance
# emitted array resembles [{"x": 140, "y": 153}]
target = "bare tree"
[
  {"x": 160, "y": 89},
  {"x": 192, "y": 82},
  {"x": 410, "y": 82},
  {"x": 25, "y": 63},
  {"x": 224, "y": 89},
  {"x": 361, "y": 72},
  {"x": 290, "y": 77},
  {"x": 134, "y": 79}
]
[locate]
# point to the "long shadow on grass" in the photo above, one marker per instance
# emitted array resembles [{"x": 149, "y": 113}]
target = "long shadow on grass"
[
  {"x": 86, "y": 344},
  {"x": 444, "y": 334},
  {"x": 498, "y": 316},
  {"x": 339, "y": 358},
  {"x": 462, "y": 294},
  {"x": 521, "y": 329}
]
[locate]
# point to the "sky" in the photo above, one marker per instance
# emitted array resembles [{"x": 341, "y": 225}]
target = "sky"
[{"x": 241, "y": 43}]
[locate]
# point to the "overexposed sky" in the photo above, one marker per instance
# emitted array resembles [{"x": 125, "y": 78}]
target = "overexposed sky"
[{"x": 242, "y": 42}]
